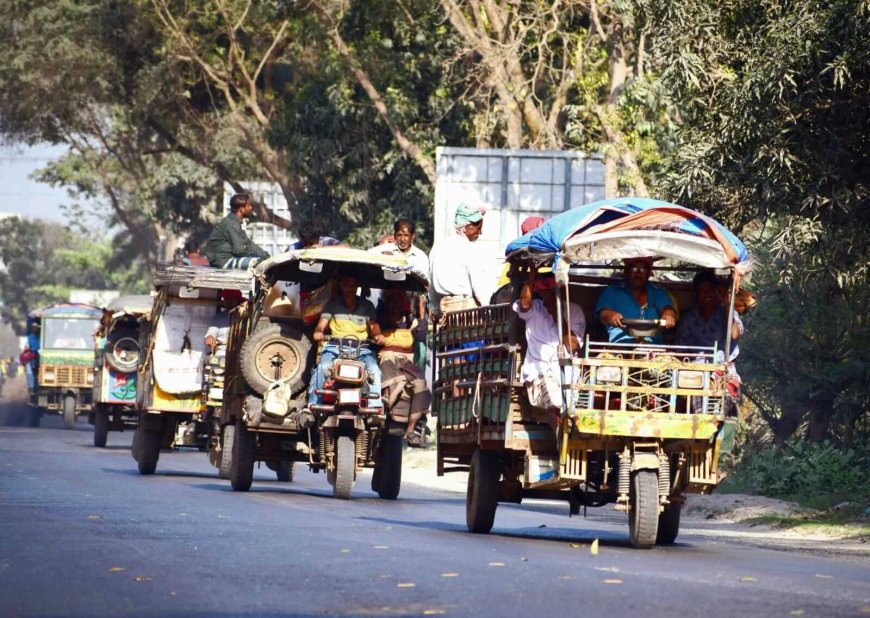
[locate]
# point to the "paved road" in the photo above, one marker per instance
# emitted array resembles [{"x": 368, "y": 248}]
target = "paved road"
[{"x": 81, "y": 533}]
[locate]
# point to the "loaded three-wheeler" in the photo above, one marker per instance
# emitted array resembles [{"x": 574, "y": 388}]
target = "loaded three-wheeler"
[
  {"x": 117, "y": 358},
  {"x": 270, "y": 360},
  {"x": 172, "y": 350},
  {"x": 64, "y": 372},
  {"x": 641, "y": 419}
]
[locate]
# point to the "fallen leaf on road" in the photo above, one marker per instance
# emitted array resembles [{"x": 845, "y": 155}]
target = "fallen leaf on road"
[
  {"x": 381, "y": 547},
  {"x": 94, "y": 517},
  {"x": 821, "y": 576},
  {"x": 576, "y": 545},
  {"x": 496, "y": 564},
  {"x": 524, "y": 559},
  {"x": 172, "y": 594},
  {"x": 612, "y": 581},
  {"x": 593, "y": 549},
  {"x": 747, "y": 578},
  {"x": 610, "y": 569},
  {"x": 142, "y": 578},
  {"x": 796, "y": 612},
  {"x": 450, "y": 575},
  {"x": 345, "y": 551},
  {"x": 223, "y": 516},
  {"x": 433, "y": 612},
  {"x": 406, "y": 585},
  {"x": 117, "y": 569}
]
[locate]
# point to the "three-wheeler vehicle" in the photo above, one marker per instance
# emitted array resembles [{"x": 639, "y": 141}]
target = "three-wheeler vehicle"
[
  {"x": 640, "y": 423},
  {"x": 65, "y": 372},
  {"x": 117, "y": 358},
  {"x": 169, "y": 382},
  {"x": 270, "y": 359}
]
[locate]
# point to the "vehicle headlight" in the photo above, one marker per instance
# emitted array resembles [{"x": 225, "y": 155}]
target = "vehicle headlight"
[
  {"x": 347, "y": 371},
  {"x": 611, "y": 375},
  {"x": 690, "y": 379},
  {"x": 348, "y": 396},
  {"x": 90, "y": 377}
]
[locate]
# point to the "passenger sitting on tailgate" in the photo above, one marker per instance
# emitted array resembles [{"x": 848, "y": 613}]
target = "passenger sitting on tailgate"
[
  {"x": 404, "y": 383},
  {"x": 540, "y": 371},
  {"x": 347, "y": 315}
]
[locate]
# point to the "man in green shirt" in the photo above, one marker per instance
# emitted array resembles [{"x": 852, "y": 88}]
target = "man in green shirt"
[{"x": 229, "y": 246}]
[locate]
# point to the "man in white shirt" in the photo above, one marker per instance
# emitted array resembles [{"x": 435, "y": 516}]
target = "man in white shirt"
[
  {"x": 459, "y": 275},
  {"x": 540, "y": 371}
]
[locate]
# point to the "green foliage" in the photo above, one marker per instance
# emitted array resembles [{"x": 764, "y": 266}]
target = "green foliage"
[{"x": 800, "y": 468}]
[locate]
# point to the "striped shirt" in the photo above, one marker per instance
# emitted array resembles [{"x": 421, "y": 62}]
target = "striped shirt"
[{"x": 343, "y": 322}]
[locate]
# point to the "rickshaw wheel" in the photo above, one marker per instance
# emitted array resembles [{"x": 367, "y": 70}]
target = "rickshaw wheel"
[
  {"x": 481, "y": 498},
  {"x": 242, "y": 464},
  {"x": 149, "y": 450},
  {"x": 390, "y": 468},
  {"x": 227, "y": 452},
  {"x": 69, "y": 411},
  {"x": 643, "y": 514},
  {"x": 669, "y": 524},
  {"x": 101, "y": 427},
  {"x": 345, "y": 467}
]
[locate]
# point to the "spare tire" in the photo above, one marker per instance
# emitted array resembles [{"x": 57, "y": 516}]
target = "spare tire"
[
  {"x": 275, "y": 352},
  {"x": 122, "y": 354}
]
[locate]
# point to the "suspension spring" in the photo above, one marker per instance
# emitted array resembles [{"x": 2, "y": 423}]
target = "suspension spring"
[
  {"x": 624, "y": 476},
  {"x": 362, "y": 446},
  {"x": 322, "y": 446},
  {"x": 664, "y": 477}
]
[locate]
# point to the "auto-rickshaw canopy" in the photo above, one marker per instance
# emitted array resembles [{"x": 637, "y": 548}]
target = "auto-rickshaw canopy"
[
  {"x": 629, "y": 227},
  {"x": 315, "y": 266},
  {"x": 134, "y": 306},
  {"x": 64, "y": 310}
]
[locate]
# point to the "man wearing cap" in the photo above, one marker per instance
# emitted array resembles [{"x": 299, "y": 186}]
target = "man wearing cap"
[
  {"x": 458, "y": 275},
  {"x": 634, "y": 298},
  {"x": 540, "y": 371}
]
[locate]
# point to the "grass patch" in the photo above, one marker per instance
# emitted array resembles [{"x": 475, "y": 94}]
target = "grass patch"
[{"x": 842, "y": 525}]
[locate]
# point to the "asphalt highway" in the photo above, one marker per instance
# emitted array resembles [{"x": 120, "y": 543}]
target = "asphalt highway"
[{"x": 83, "y": 534}]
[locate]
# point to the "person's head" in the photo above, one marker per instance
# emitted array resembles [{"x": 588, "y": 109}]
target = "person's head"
[
  {"x": 310, "y": 233},
  {"x": 545, "y": 288},
  {"x": 531, "y": 223},
  {"x": 348, "y": 284},
  {"x": 396, "y": 303},
  {"x": 469, "y": 221},
  {"x": 241, "y": 205},
  {"x": 404, "y": 232},
  {"x": 637, "y": 271},
  {"x": 191, "y": 246},
  {"x": 231, "y": 299}
]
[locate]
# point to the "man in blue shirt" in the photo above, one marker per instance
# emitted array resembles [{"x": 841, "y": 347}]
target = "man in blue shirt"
[{"x": 634, "y": 298}]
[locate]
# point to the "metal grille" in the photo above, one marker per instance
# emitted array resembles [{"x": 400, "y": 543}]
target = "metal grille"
[{"x": 65, "y": 375}]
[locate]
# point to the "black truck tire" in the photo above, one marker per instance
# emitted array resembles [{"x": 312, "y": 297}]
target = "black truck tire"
[
  {"x": 481, "y": 500},
  {"x": 275, "y": 341}
]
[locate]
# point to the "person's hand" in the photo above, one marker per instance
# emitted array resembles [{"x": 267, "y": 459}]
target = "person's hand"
[
  {"x": 379, "y": 339},
  {"x": 318, "y": 336},
  {"x": 615, "y": 319},
  {"x": 669, "y": 318},
  {"x": 211, "y": 342}
]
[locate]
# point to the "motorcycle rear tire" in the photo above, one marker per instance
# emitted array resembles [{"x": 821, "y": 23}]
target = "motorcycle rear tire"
[
  {"x": 345, "y": 467},
  {"x": 390, "y": 464}
]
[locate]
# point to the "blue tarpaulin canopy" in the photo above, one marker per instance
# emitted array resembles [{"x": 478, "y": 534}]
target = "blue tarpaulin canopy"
[{"x": 628, "y": 227}]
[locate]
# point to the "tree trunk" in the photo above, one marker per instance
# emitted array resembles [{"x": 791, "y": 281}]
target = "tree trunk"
[{"x": 822, "y": 409}]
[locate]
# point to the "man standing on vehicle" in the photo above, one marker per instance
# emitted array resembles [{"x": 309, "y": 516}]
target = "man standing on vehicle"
[
  {"x": 459, "y": 278},
  {"x": 634, "y": 298},
  {"x": 540, "y": 371},
  {"x": 347, "y": 315},
  {"x": 229, "y": 246}
]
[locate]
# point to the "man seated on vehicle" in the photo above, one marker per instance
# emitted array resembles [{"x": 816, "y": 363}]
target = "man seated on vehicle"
[
  {"x": 229, "y": 246},
  {"x": 634, "y": 298},
  {"x": 217, "y": 335},
  {"x": 404, "y": 383},
  {"x": 347, "y": 315},
  {"x": 706, "y": 324},
  {"x": 540, "y": 371},
  {"x": 311, "y": 235}
]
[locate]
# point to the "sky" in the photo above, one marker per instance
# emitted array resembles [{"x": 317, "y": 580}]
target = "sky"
[{"x": 21, "y": 195}]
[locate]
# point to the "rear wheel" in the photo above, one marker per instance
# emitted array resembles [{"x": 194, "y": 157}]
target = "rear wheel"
[
  {"x": 101, "y": 427},
  {"x": 227, "y": 451},
  {"x": 390, "y": 468},
  {"x": 669, "y": 524},
  {"x": 285, "y": 471},
  {"x": 481, "y": 498},
  {"x": 643, "y": 512},
  {"x": 69, "y": 411},
  {"x": 149, "y": 449},
  {"x": 242, "y": 464},
  {"x": 345, "y": 467}
]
